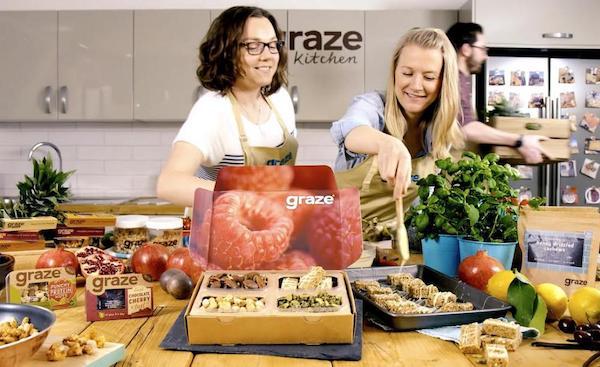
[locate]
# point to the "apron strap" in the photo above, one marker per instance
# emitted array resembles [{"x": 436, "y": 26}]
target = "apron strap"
[
  {"x": 370, "y": 174},
  {"x": 238, "y": 121},
  {"x": 278, "y": 118}
]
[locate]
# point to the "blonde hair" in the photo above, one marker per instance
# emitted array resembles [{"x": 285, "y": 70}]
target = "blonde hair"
[{"x": 446, "y": 132}]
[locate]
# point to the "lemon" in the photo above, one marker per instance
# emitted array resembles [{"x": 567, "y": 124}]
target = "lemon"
[
  {"x": 584, "y": 305},
  {"x": 497, "y": 285},
  {"x": 555, "y": 298}
]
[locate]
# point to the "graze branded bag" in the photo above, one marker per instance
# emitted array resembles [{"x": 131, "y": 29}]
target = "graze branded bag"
[
  {"x": 276, "y": 217},
  {"x": 560, "y": 245}
]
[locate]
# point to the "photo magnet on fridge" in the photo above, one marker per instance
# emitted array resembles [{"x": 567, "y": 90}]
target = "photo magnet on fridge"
[
  {"x": 495, "y": 97},
  {"x": 592, "y": 75},
  {"x": 525, "y": 172},
  {"x": 569, "y": 195},
  {"x": 514, "y": 100},
  {"x": 568, "y": 169},
  {"x": 517, "y": 78},
  {"x": 592, "y": 99},
  {"x": 536, "y": 78},
  {"x": 592, "y": 195},
  {"x": 567, "y": 100},
  {"x": 536, "y": 100},
  {"x": 566, "y": 75},
  {"x": 496, "y": 77},
  {"x": 590, "y": 168},
  {"x": 592, "y": 145},
  {"x": 590, "y": 122}
]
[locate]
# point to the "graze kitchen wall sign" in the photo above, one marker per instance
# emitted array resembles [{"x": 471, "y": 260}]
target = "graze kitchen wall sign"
[{"x": 324, "y": 47}]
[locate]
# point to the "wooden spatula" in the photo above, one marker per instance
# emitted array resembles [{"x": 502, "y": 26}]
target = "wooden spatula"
[{"x": 401, "y": 234}]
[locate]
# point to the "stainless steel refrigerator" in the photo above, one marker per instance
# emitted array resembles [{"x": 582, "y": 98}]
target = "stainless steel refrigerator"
[{"x": 550, "y": 83}]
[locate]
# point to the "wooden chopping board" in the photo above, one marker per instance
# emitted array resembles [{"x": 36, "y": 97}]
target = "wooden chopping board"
[{"x": 107, "y": 356}]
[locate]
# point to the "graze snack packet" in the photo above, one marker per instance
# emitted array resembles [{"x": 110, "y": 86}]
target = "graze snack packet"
[
  {"x": 560, "y": 245},
  {"x": 53, "y": 288},
  {"x": 119, "y": 296}
]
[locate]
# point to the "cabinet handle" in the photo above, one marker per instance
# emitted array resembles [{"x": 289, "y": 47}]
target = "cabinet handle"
[
  {"x": 48, "y": 99},
  {"x": 560, "y": 35},
  {"x": 63, "y": 95},
  {"x": 295, "y": 97}
]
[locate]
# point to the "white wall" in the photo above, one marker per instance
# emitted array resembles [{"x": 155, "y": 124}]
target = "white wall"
[{"x": 117, "y": 159}]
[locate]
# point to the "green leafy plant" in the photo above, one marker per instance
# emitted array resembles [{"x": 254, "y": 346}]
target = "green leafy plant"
[
  {"x": 502, "y": 108},
  {"x": 11, "y": 209},
  {"x": 41, "y": 193},
  {"x": 471, "y": 197}
]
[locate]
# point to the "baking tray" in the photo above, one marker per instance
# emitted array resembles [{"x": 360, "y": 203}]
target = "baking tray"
[{"x": 485, "y": 305}]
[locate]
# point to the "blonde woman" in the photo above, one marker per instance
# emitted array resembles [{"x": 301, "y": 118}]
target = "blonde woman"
[{"x": 386, "y": 142}]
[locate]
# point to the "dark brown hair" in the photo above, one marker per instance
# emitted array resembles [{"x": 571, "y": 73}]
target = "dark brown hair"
[{"x": 219, "y": 63}]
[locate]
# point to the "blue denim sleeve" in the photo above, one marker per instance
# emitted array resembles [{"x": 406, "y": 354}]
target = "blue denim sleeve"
[{"x": 365, "y": 110}]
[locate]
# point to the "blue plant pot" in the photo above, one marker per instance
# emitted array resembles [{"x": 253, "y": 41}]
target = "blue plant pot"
[
  {"x": 442, "y": 254},
  {"x": 501, "y": 251}
]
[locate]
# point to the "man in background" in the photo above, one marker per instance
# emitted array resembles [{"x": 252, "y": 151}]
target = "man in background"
[{"x": 471, "y": 50}]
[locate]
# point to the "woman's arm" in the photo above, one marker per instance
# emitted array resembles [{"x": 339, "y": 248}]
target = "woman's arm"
[
  {"x": 177, "y": 182},
  {"x": 394, "y": 160}
]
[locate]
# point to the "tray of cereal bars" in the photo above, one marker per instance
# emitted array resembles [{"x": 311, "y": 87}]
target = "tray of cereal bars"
[{"x": 419, "y": 297}]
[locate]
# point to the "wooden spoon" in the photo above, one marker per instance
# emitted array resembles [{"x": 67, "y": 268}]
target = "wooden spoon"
[{"x": 401, "y": 234}]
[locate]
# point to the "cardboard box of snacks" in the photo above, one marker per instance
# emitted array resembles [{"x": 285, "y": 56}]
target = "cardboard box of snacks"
[
  {"x": 558, "y": 130},
  {"x": 274, "y": 313},
  {"x": 267, "y": 220},
  {"x": 28, "y": 224}
]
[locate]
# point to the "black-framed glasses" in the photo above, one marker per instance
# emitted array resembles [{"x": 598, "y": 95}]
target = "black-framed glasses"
[
  {"x": 257, "y": 47},
  {"x": 482, "y": 48}
]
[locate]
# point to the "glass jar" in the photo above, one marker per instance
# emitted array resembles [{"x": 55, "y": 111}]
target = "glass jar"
[
  {"x": 165, "y": 231},
  {"x": 130, "y": 233}
]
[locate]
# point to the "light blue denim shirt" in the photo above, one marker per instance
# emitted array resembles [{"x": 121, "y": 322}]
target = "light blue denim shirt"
[{"x": 365, "y": 110}]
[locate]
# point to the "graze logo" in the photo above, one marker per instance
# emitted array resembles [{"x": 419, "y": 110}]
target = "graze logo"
[
  {"x": 100, "y": 283},
  {"x": 25, "y": 277},
  {"x": 568, "y": 282},
  {"x": 292, "y": 201},
  {"x": 324, "y": 47}
]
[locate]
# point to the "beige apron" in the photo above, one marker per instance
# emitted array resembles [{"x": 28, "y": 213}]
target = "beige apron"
[
  {"x": 285, "y": 154},
  {"x": 376, "y": 196}
]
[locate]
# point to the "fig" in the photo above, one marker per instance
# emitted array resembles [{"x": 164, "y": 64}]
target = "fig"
[
  {"x": 180, "y": 286},
  {"x": 167, "y": 275},
  {"x": 583, "y": 327}
]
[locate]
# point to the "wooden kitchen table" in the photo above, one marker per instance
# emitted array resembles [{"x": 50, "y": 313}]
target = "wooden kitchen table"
[{"x": 142, "y": 337}]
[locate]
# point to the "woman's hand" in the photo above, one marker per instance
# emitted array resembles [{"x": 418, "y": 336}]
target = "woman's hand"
[{"x": 394, "y": 163}]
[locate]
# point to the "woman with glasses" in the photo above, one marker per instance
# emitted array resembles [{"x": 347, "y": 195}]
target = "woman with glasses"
[{"x": 246, "y": 117}]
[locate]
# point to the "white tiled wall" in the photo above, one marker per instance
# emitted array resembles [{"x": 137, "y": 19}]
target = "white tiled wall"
[{"x": 118, "y": 159}]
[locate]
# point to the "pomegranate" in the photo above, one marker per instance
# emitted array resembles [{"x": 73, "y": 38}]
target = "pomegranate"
[
  {"x": 150, "y": 260},
  {"x": 58, "y": 257},
  {"x": 94, "y": 261},
  {"x": 477, "y": 269},
  {"x": 182, "y": 259}
]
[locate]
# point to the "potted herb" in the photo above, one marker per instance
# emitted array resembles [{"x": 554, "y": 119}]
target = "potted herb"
[
  {"x": 472, "y": 198},
  {"x": 438, "y": 219}
]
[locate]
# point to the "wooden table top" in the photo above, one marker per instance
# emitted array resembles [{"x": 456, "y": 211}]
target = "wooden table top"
[{"x": 142, "y": 337}]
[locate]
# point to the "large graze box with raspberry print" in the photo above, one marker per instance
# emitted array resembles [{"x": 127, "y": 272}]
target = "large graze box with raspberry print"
[{"x": 282, "y": 219}]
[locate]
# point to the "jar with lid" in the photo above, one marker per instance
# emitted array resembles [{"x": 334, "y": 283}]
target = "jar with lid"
[
  {"x": 130, "y": 233},
  {"x": 165, "y": 231}
]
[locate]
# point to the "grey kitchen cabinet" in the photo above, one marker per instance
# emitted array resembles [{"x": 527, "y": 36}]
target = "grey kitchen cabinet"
[
  {"x": 95, "y": 65},
  {"x": 28, "y": 64},
  {"x": 534, "y": 23},
  {"x": 383, "y": 30},
  {"x": 67, "y": 65},
  {"x": 165, "y": 61},
  {"x": 326, "y": 62}
]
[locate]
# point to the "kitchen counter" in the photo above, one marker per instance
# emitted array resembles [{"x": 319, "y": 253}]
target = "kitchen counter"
[{"x": 143, "y": 335}]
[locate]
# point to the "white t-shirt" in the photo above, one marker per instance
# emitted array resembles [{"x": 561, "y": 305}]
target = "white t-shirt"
[{"x": 211, "y": 128}]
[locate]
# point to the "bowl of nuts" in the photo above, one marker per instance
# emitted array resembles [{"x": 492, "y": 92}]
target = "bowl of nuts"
[{"x": 23, "y": 329}]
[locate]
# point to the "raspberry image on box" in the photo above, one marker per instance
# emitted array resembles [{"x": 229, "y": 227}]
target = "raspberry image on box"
[{"x": 295, "y": 228}]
